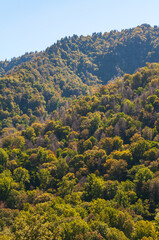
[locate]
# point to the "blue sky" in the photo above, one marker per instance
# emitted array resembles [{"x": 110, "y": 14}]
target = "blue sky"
[{"x": 30, "y": 25}]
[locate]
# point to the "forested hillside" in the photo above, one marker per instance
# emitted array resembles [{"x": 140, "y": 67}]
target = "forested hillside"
[
  {"x": 90, "y": 172},
  {"x": 36, "y": 84},
  {"x": 100, "y": 56}
]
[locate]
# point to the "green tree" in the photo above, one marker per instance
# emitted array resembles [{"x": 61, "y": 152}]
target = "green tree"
[
  {"x": 138, "y": 149},
  {"x": 122, "y": 198},
  {"x": 44, "y": 177},
  {"x": 116, "y": 234},
  {"x": 3, "y": 157},
  {"x": 94, "y": 188},
  {"x": 141, "y": 177},
  {"x": 62, "y": 167},
  {"x": 31, "y": 226},
  {"x": 67, "y": 184},
  {"x": 144, "y": 229},
  {"x": 30, "y": 133},
  {"x": 5, "y": 184},
  {"x": 21, "y": 175}
]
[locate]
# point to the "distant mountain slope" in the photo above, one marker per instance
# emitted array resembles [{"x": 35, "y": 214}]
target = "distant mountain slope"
[
  {"x": 110, "y": 54},
  {"x": 37, "y": 83},
  {"x": 101, "y": 56},
  {"x": 7, "y": 65}
]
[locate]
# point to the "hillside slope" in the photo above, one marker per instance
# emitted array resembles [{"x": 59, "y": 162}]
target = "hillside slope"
[
  {"x": 34, "y": 85},
  {"x": 91, "y": 172},
  {"x": 102, "y": 55}
]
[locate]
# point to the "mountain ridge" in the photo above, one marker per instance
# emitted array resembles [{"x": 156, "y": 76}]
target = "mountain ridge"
[
  {"x": 38, "y": 83},
  {"x": 111, "y": 37}
]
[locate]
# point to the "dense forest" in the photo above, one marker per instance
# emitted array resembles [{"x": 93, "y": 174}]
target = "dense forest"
[
  {"x": 91, "y": 171},
  {"x": 36, "y": 84},
  {"x": 80, "y": 160}
]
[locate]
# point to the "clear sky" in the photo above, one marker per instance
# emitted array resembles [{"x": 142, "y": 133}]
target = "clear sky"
[{"x": 30, "y": 25}]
